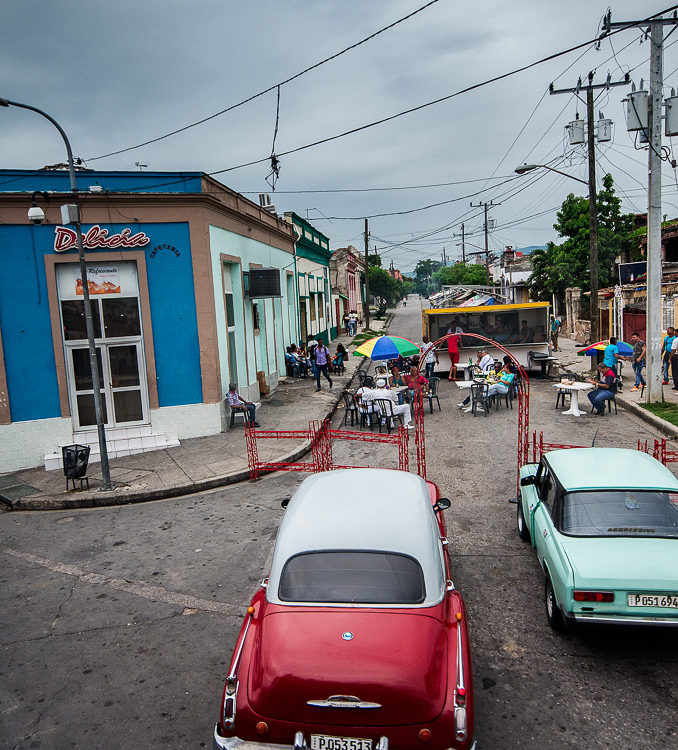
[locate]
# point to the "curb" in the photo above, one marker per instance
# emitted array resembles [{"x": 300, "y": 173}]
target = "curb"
[
  {"x": 49, "y": 502},
  {"x": 670, "y": 430}
]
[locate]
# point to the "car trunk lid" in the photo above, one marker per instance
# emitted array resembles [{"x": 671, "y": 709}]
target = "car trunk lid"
[{"x": 357, "y": 667}]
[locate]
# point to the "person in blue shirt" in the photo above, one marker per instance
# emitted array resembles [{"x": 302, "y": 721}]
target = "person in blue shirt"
[
  {"x": 666, "y": 352},
  {"x": 611, "y": 354}
]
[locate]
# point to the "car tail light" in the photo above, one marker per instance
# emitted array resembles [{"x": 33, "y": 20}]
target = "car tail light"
[
  {"x": 229, "y": 703},
  {"x": 460, "y": 724},
  {"x": 594, "y": 596},
  {"x": 424, "y": 735},
  {"x": 461, "y": 696},
  {"x": 261, "y": 727}
]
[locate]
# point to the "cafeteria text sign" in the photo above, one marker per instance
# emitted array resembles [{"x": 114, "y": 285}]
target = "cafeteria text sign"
[{"x": 67, "y": 239}]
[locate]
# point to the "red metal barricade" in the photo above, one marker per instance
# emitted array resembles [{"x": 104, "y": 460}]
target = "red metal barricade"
[{"x": 320, "y": 435}]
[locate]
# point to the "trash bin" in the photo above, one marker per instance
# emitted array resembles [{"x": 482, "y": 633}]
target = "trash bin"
[{"x": 75, "y": 459}]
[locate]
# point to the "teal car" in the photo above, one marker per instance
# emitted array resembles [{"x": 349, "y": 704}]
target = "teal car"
[{"x": 604, "y": 524}]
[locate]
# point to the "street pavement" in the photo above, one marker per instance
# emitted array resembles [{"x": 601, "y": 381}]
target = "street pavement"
[
  {"x": 117, "y": 623},
  {"x": 198, "y": 463}
]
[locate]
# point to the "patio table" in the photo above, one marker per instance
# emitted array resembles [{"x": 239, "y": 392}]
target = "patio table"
[{"x": 574, "y": 389}]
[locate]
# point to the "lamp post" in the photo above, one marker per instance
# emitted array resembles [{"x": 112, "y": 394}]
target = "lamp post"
[
  {"x": 98, "y": 410},
  {"x": 593, "y": 232}
]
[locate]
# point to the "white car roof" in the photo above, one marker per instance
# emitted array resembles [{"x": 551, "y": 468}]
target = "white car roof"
[{"x": 362, "y": 509}]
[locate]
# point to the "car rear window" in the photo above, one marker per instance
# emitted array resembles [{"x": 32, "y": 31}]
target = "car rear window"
[
  {"x": 348, "y": 576},
  {"x": 621, "y": 513}
]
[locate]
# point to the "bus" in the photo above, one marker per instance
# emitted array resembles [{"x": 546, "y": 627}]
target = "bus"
[{"x": 523, "y": 329}]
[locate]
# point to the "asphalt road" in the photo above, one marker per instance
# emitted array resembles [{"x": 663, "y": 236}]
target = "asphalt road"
[{"x": 117, "y": 624}]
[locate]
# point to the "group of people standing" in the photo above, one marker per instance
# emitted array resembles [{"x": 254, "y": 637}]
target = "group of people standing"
[{"x": 351, "y": 323}]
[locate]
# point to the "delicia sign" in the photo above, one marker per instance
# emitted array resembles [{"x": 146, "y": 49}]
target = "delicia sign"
[{"x": 66, "y": 239}]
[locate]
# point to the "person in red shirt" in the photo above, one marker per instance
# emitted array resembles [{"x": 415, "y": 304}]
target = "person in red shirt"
[
  {"x": 415, "y": 381},
  {"x": 606, "y": 388},
  {"x": 453, "y": 344}
]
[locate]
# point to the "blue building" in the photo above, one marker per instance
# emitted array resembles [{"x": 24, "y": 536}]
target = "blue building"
[{"x": 168, "y": 256}]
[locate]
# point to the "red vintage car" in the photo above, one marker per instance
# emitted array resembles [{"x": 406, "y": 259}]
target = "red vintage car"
[{"x": 358, "y": 639}]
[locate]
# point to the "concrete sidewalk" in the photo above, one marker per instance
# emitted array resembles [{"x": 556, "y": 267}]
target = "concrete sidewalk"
[
  {"x": 570, "y": 361},
  {"x": 199, "y": 463}
]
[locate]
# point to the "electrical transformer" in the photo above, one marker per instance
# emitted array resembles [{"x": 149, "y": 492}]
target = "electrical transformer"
[{"x": 575, "y": 131}]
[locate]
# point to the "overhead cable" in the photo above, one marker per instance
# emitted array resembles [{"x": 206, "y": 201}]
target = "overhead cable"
[{"x": 270, "y": 88}]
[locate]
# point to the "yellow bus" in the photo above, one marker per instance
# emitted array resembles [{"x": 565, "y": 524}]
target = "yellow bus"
[{"x": 522, "y": 329}]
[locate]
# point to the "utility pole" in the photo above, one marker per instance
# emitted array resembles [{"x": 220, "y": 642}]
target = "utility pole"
[
  {"x": 654, "y": 214},
  {"x": 367, "y": 276},
  {"x": 463, "y": 245},
  {"x": 593, "y": 195},
  {"x": 486, "y": 207}
]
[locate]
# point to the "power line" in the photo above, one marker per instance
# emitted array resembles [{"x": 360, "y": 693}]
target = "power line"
[{"x": 269, "y": 89}]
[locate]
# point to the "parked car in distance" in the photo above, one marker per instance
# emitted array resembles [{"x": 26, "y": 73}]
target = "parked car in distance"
[
  {"x": 604, "y": 524},
  {"x": 357, "y": 640}
]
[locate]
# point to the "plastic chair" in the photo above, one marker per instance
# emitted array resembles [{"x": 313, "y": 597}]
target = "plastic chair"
[
  {"x": 364, "y": 411},
  {"x": 433, "y": 393},
  {"x": 560, "y": 395},
  {"x": 386, "y": 413},
  {"x": 479, "y": 395},
  {"x": 351, "y": 408},
  {"x": 609, "y": 402}
]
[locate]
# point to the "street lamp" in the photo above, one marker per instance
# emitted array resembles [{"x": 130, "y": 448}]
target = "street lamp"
[
  {"x": 529, "y": 167},
  {"x": 593, "y": 237},
  {"x": 98, "y": 411}
]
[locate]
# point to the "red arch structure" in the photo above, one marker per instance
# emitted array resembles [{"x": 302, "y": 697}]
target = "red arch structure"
[{"x": 523, "y": 408}]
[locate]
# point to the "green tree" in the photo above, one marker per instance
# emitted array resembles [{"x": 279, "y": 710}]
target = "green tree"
[
  {"x": 374, "y": 259},
  {"x": 471, "y": 274},
  {"x": 567, "y": 264},
  {"x": 423, "y": 272},
  {"x": 384, "y": 287}
]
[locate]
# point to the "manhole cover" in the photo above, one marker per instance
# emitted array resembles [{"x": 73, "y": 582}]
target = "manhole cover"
[{"x": 12, "y": 488}]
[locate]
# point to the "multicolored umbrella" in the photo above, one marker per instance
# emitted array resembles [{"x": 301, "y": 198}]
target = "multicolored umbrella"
[
  {"x": 386, "y": 347},
  {"x": 625, "y": 350}
]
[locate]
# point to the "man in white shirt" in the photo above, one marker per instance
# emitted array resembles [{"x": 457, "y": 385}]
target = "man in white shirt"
[{"x": 371, "y": 394}]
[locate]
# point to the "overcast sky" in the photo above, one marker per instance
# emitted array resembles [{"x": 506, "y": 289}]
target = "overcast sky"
[{"x": 115, "y": 74}]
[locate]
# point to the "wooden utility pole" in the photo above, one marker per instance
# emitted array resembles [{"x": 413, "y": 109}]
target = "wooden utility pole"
[
  {"x": 593, "y": 216},
  {"x": 593, "y": 196},
  {"x": 367, "y": 276},
  {"x": 485, "y": 207}
]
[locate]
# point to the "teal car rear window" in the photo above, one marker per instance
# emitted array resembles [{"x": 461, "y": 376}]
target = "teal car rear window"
[{"x": 633, "y": 513}]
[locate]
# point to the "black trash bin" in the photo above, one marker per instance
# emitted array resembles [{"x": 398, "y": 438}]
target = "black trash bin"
[{"x": 75, "y": 458}]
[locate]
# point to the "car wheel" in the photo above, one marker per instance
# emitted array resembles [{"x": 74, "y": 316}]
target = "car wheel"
[
  {"x": 523, "y": 531},
  {"x": 553, "y": 613}
]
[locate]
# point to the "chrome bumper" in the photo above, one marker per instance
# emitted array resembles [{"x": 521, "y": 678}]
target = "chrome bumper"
[
  {"x": 616, "y": 620},
  {"x": 235, "y": 743}
]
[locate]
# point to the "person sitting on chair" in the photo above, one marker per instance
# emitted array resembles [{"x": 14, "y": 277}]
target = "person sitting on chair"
[
  {"x": 381, "y": 391},
  {"x": 237, "y": 404},
  {"x": 505, "y": 379},
  {"x": 526, "y": 335},
  {"x": 414, "y": 381},
  {"x": 606, "y": 387}
]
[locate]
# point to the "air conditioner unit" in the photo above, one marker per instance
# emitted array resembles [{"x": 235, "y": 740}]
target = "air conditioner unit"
[
  {"x": 262, "y": 283},
  {"x": 265, "y": 203}
]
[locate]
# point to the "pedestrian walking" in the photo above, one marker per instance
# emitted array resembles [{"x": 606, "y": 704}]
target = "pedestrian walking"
[
  {"x": 638, "y": 360},
  {"x": 322, "y": 359},
  {"x": 556, "y": 325},
  {"x": 430, "y": 356}
]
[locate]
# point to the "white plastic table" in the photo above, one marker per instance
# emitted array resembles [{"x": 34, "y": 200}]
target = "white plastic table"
[{"x": 574, "y": 389}]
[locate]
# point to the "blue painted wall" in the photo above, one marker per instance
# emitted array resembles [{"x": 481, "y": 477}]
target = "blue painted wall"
[{"x": 26, "y": 325}]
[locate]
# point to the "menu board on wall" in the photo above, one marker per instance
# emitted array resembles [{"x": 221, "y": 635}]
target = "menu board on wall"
[
  {"x": 104, "y": 279},
  {"x": 100, "y": 280}
]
